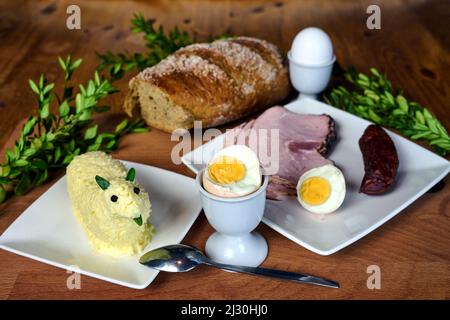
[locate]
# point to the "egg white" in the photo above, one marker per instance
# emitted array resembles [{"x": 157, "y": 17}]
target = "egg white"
[{"x": 335, "y": 178}]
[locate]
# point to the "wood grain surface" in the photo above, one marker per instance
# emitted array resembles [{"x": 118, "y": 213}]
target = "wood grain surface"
[{"x": 412, "y": 250}]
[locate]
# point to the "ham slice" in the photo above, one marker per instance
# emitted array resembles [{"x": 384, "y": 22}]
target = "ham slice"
[{"x": 303, "y": 140}]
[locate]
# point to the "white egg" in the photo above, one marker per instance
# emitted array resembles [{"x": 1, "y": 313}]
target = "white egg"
[
  {"x": 321, "y": 190},
  {"x": 233, "y": 172},
  {"x": 312, "y": 46}
]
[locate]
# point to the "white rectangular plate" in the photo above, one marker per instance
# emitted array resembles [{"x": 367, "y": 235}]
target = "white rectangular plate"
[
  {"x": 360, "y": 214},
  {"x": 49, "y": 232}
]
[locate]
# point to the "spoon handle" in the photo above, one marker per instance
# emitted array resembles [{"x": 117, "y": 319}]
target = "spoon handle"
[{"x": 278, "y": 274}]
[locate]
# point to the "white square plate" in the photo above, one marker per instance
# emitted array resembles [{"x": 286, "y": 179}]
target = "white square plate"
[
  {"x": 360, "y": 214},
  {"x": 48, "y": 231}
]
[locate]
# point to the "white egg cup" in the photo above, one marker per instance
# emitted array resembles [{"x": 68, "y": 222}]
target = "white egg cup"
[
  {"x": 310, "y": 80},
  {"x": 234, "y": 220}
]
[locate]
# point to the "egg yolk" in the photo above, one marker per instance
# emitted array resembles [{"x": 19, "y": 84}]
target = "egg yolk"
[
  {"x": 226, "y": 170},
  {"x": 315, "y": 191}
]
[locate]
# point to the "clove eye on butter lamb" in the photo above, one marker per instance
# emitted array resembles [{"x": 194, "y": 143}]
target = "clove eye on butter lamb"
[{"x": 111, "y": 206}]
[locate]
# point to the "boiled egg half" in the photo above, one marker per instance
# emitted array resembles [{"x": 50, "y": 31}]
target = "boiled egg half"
[
  {"x": 233, "y": 172},
  {"x": 321, "y": 190}
]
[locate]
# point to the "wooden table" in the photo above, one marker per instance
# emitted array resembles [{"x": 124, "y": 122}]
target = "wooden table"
[{"x": 412, "y": 250}]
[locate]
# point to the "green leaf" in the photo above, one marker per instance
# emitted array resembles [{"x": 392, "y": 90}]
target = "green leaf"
[
  {"x": 402, "y": 103},
  {"x": 375, "y": 72},
  {"x": 64, "y": 109},
  {"x": 398, "y": 112},
  {"x": 29, "y": 152},
  {"x": 103, "y": 183},
  {"x": 131, "y": 175},
  {"x": 374, "y": 117},
  {"x": 419, "y": 116},
  {"x": 67, "y": 159},
  {"x": 21, "y": 163},
  {"x": 441, "y": 129},
  {"x": 16, "y": 152},
  {"x": 97, "y": 78},
  {"x": 71, "y": 145},
  {"x": 40, "y": 178},
  {"x": 138, "y": 220},
  {"x": 62, "y": 64},
  {"x": 39, "y": 164},
  {"x": 48, "y": 146},
  {"x": 10, "y": 156},
  {"x": 2, "y": 194},
  {"x": 363, "y": 77},
  {"x": 5, "y": 170},
  {"x": 111, "y": 145},
  {"x": 427, "y": 114},
  {"x": 389, "y": 97},
  {"x": 76, "y": 64},
  {"x": 29, "y": 126},
  {"x": 420, "y": 135},
  {"x": 79, "y": 102},
  {"x": 432, "y": 125},
  {"x": 121, "y": 126},
  {"x": 48, "y": 88},
  {"x": 50, "y": 136},
  {"x": 33, "y": 86},
  {"x": 91, "y": 132},
  {"x": 93, "y": 147},
  {"x": 85, "y": 115},
  {"x": 57, "y": 153},
  {"x": 440, "y": 141},
  {"x": 41, "y": 81},
  {"x": 21, "y": 143},
  {"x": 23, "y": 185},
  {"x": 107, "y": 135},
  {"x": 45, "y": 111},
  {"x": 140, "y": 130},
  {"x": 421, "y": 127}
]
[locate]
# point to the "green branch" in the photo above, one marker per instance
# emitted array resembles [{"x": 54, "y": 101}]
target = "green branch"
[{"x": 373, "y": 98}]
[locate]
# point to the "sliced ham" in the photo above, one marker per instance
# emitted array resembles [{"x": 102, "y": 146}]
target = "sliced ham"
[{"x": 303, "y": 142}]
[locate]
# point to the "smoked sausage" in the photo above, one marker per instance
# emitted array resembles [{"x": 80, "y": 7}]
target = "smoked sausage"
[{"x": 380, "y": 160}]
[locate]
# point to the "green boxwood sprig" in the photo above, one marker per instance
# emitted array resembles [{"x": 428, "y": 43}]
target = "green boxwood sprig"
[
  {"x": 372, "y": 97},
  {"x": 50, "y": 141}
]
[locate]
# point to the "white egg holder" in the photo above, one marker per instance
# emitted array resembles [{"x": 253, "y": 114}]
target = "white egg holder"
[{"x": 310, "y": 80}]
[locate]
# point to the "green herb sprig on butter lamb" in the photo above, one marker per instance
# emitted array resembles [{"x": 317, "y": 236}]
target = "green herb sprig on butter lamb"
[
  {"x": 373, "y": 98},
  {"x": 51, "y": 140}
]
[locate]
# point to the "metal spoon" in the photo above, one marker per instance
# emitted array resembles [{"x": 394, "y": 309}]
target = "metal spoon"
[{"x": 182, "y": 258}]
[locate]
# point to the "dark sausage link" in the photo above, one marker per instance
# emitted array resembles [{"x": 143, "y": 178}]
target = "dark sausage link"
[{"x": 380, "y": 160}]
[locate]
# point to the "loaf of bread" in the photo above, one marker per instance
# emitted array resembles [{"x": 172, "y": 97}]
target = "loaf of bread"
[{"x": 214, "y": 82}]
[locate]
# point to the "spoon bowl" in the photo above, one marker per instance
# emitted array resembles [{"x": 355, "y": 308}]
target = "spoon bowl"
[{"x": 173, "y": 258}]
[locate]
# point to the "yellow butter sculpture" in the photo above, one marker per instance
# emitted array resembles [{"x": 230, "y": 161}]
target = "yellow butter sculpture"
[{"x": 113, "y": 209}]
